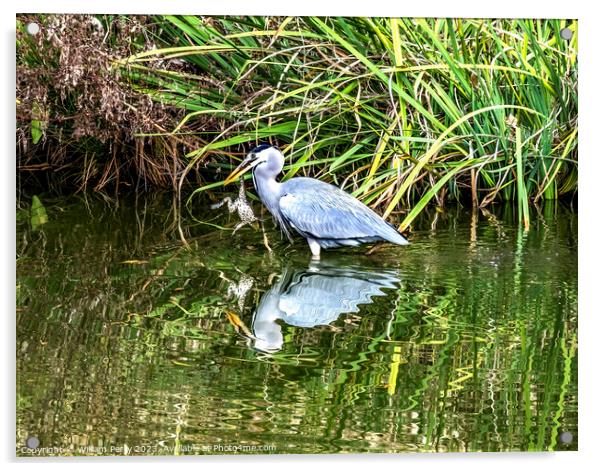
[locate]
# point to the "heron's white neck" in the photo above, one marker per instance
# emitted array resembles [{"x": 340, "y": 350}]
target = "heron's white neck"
[{"x": 269, "y": 192}]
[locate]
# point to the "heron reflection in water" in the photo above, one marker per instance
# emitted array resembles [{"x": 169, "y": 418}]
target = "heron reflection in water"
[{"x": 317, "y": 295}]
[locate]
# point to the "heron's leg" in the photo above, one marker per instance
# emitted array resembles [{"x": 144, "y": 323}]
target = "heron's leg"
[{"x": 315, "y": 248}]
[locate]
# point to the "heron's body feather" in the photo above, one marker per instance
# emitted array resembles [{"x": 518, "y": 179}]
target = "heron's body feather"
[{"x": 332, "y": 217}]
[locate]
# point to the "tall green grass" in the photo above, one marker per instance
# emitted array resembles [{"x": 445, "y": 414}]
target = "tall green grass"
[{"x": 400, "y": 112}]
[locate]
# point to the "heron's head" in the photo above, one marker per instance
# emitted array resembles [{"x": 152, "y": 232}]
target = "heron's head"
[{"x": 265, "y": 160}]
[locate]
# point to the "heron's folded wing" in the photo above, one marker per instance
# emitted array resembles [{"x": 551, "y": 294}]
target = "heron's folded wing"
[{"x": 329, "y": 213}]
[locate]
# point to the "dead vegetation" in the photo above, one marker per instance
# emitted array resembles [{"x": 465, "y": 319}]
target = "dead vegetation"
[{"x": 80, "y": 123}]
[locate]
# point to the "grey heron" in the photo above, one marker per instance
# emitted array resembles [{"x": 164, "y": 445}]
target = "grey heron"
[{"x": 324, "y": 214}]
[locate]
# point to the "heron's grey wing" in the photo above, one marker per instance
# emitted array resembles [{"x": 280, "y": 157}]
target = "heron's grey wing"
[
  {"x": 320, "y": 298},
  {"x": 324, "y": 211}
]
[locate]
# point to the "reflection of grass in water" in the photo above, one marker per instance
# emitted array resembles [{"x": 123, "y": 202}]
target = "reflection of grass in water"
[
  {"x": 485, "y": 355},
  {"x": 569, "y": 355}
]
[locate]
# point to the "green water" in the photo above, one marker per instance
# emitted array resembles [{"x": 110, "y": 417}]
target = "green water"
[{"x": 130, "y": 343}]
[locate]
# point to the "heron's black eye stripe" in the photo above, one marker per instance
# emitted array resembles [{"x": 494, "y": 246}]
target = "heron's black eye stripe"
[{"x": 261, "y": 147}]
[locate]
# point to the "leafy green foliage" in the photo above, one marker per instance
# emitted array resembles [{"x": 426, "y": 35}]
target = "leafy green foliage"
[
  {"x": 38, "y": 213},
  {"x": 38, "y": 125},
  {"x": 395, "y": 110}
]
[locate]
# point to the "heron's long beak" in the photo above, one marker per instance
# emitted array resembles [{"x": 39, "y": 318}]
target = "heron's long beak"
[{"x": 241, "y": 169}]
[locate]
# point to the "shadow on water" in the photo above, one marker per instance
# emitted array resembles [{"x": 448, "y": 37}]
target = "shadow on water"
[{"x": 464, "y": 340}]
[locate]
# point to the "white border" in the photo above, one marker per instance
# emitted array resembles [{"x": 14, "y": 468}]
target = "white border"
[
  {"x": 590, "y": 311},
  {"x": 437, "y": 8}
]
